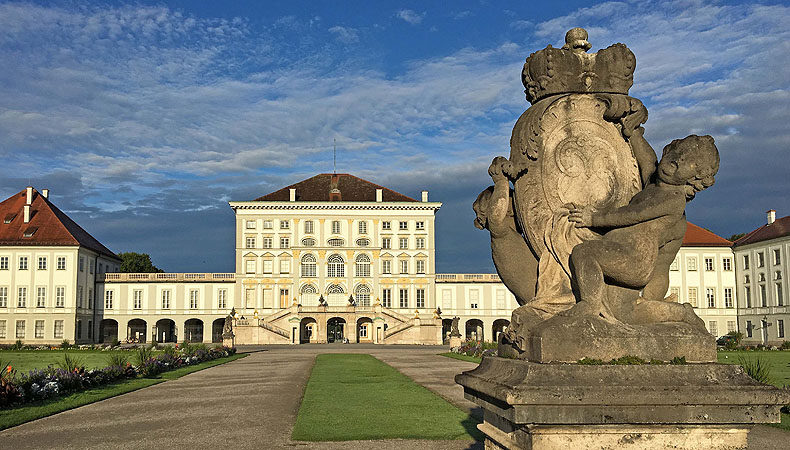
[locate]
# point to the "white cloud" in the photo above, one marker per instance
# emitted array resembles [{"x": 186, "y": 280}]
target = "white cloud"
[
  {"x": 410, "y": 16},
  {"x": 345, "y": 35}
]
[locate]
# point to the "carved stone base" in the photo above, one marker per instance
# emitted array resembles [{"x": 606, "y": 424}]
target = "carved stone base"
[
  {"x": 535, "y": 406},
  {"x": 455, "y": 341}
]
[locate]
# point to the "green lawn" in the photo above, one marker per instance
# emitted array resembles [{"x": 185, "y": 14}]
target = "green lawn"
[
  {"x": 357, "y": 397},
  {"x": 25, "y": 360},
  {"x": 779, "y": 361},
  {"x": 461, "y": 357},
  {"x": 19, "y": 415}
]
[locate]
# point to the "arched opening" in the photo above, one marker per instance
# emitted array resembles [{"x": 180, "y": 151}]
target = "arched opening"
[
  {"x": 309, "y": 266},
  {"x": 193, "y": 330},
  {"x": 474, "y": 330},
  {"x": 499, "y": 327},
  {"x": 165, "y": 330},
  {"x": 335, "y": 330},
  {"x": 335, "y": 267},
  {"x": 336, "y": 295},
  {"x": 364, "y": 330},
  {"x": 135, "y": 331},
  {"x": 308, "y": 330},
  {"x": 447, "y": 326},
  {"x": 108, "y": 331},
  {"x": 362, "y": 268},
  {"x": 309, "y": 295},
  {"x": 216, "y": 330},
  {"x": 362, "y": 295}
]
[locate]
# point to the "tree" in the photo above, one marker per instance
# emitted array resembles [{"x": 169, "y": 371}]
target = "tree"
[
  {"x": 736, "y": 236},
  {"x": 133, "y": 262}
]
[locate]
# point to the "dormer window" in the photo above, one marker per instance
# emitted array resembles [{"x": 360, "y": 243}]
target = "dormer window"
[
  {"x": 9, "y": 218},
  {"x": 30, "y": 231}
]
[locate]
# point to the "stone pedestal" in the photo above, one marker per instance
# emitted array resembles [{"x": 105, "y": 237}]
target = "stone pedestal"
[
  {"x": 534, "y": 406},
  {"x": 455, "y": 341}
]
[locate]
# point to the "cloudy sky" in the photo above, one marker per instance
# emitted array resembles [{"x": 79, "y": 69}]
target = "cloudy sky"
[{"x": 145, "y": 119}]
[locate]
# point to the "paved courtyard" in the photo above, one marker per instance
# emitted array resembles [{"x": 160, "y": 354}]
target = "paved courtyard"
[{"x": 251, "y": 403}]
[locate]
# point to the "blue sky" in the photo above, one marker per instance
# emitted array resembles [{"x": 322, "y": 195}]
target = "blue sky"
[{"x": 146, "y": 118}]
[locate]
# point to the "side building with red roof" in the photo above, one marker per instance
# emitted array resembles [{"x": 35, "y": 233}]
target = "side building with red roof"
[
  {"x": 48, "y": 271},
  {"x": 761, "y": 258}
]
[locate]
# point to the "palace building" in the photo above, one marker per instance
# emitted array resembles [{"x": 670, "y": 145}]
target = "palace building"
[{"x": 332, "y": 258}]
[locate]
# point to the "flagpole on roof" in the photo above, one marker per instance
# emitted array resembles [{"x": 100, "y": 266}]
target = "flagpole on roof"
[{"x": 334, "y": 156}]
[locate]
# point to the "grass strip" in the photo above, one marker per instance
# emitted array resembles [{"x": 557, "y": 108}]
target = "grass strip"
[
  {"x": 26, "y": 360},
  {"x": 461, "y": 357},
  {"x": 357, "y": 397},
  {"x": 32, "y": 411}
]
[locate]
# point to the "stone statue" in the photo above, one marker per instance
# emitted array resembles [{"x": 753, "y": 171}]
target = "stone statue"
[
  {"x": 227, "y": 328},
  {"x": 591, "y": 223},
  {"x": 454, "y": 327}
]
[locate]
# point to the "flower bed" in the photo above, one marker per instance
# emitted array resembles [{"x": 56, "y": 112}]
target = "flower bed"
[
  {"x": 40, "y": 384},
  {"x": 476, "y": 349}
]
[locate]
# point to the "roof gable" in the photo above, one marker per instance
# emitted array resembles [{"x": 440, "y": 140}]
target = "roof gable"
[
  {"x": 697, "y": 236},
  {"x": 317, "y": 189},
  {"x": 780, "y": 228}
]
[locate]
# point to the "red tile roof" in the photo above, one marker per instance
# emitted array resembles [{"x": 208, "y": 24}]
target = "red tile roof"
[
  {"x": 699, "y": 237},
  {"x": 352, "y": 189},
  {"x": 780, "y": 228},
  {"x": 50, "y": 225}
]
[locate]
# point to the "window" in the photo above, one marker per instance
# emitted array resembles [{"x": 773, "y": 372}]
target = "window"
[
  {"x": 41, "y": 297},
  {"x": 403, "y": 243},
  {"x": 267, "y": 224},
  {"x": 335, "y": 227},
  {"x": 500, "y": 299},
  {"x": 250, "y": 266},
  {"x": 250, "y": 224},
  {"x": 363, "y": 295},
  {"x": 708, "y": 264},
  {"x": 746, "y": 279},
  {"x": 101, "y": 268},
  {"x": 249, "y": 298},
  {"x": 285, "y": 242},
  {"x": 403, "y": 225},
  {"x": 386, "y": 243},
  {"x": 691, "y": 263},
  {"x": 763, "y": 296},
  {"x": 726, "y": 264},
  {"x": 336, "y": 242},
  {"x": 2, "y": 329},
  {"x": 693, "y": 296},
  {"x": 79, "y": 329},
  {"x": 42, "y": 263},
  {"x": 747, "y": 294},
  {"x": 420, "y": 243},
  {"x": 674, "y": 265},
  {"x": 335, "y": 267},
  {"x": 748, "y": 328},
  {"x": 730, "y": 326},
  {"x": 39, "y": 329},
  {"x": 268, "y": 266},
  {"x": 676, "y": 292},
  {"x": 193, "y": 298},
  {"x": 362, "y": 227},
  {"x": 421, "y": 266},
  {"x": 386, "y": 298},
  {"x": 250, "y": 242},
  {"x": 386, "y": 225},
  {"x": 713, "y": 327},
  {"x": 79, "y": 296},
  {"x": 404, "y": 298},
  {"x": 166, "y": 299},
  {"x": 777, "y": 256},
  {"x": 284, "y": 298},
  {"x": 745, "y": 262},
  {"x": 780, "y": 301},
  {"x": 60, "y": 296},
  {"x": 404, "y": 266},
  {"x": 91, "y": 266},
  {"x": 20, "y": 329},
  {"x": 90, "y": 329},
  {"x": 137, "y": 299},
  {"x": 308, "y": 227},
  {"x": 267, "y": 242},
  {"x": 710, "y": 295},
  {"x": 308, "y": 242},
  {"x": 362, "y": 268},
  {"x": 23, "y": 263},
  {"x": 108, "y": 299},
  {"x": 285, "y": 225},
  {"x": 285, "y": 265},
  {"x": 222, "y": 298},
  {"x": 760, "y": 259},
  {"x": 3, "y": 262},
  {"x": 90, "y": 298},
  {"x": 420, "y": 225},
  {"x": 728, "y": 298},
  {"x": 363, "y": 242},
  {"x": 386, "y": 266},
  {"x": 309, "y": 266},
  {"x": 21, "y": 299},
  {"x": 3, "y": 296},
  {"x": 82, "y": 264},
  {"x": 420, "y": 298},
  {"x": 778, "y": 275},
  {"x": 474, "y": 298},
  {"x": 363, "y": 331},
  {"x": 760, "y": 277},
  {"x": 780, "y": 328}
]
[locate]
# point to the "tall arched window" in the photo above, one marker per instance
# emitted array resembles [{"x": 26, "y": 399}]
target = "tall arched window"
[
  {"x": 309, "y": 295},
  {"x": 336, "y": 295},
  {"x": 335, "y": 267},
  {"x": 362, "y": 295},
  {"x": 309, "y": 266},
  {"x": 363, "y": 266}
]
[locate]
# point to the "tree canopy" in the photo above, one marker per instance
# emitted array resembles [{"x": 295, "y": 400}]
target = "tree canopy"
[
  {"x": 736, "y": 236},
  {"x": 133, "y": 262}
]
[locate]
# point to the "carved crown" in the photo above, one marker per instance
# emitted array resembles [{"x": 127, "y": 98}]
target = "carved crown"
[{"x": 571, "y": 69}]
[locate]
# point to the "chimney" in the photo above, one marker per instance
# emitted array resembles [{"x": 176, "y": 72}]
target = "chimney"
[
  {"x": 29, "y": 192},
  {"x": 293, "y": 194},
  {"x": 771, "y": 216},
  {"x": 379, "y": 195},
  {"x": 27, "y": 213},
  {"x": 424, "y": 196},
  {"x": 45, "y": 193}
]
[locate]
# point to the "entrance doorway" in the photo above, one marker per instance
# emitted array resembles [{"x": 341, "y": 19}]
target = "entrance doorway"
[{"x": 335, "y": 329}]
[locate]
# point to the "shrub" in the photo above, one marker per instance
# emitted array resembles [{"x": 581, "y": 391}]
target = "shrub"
[
  {"x": 758, "y": 368},
  {"x": 169, "y": 350},
  {"x": 678, "y": 361},
  {"x": 785, "y": 345},
  {"x": 65, "y": 344},
  {"x": 143, "y": 354},
  {"x": 117, "y": 359},
  {"x": 17, "y": 345},
  {"x": 71, "y": 363},
  {"x": 115, "y": 343}
]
